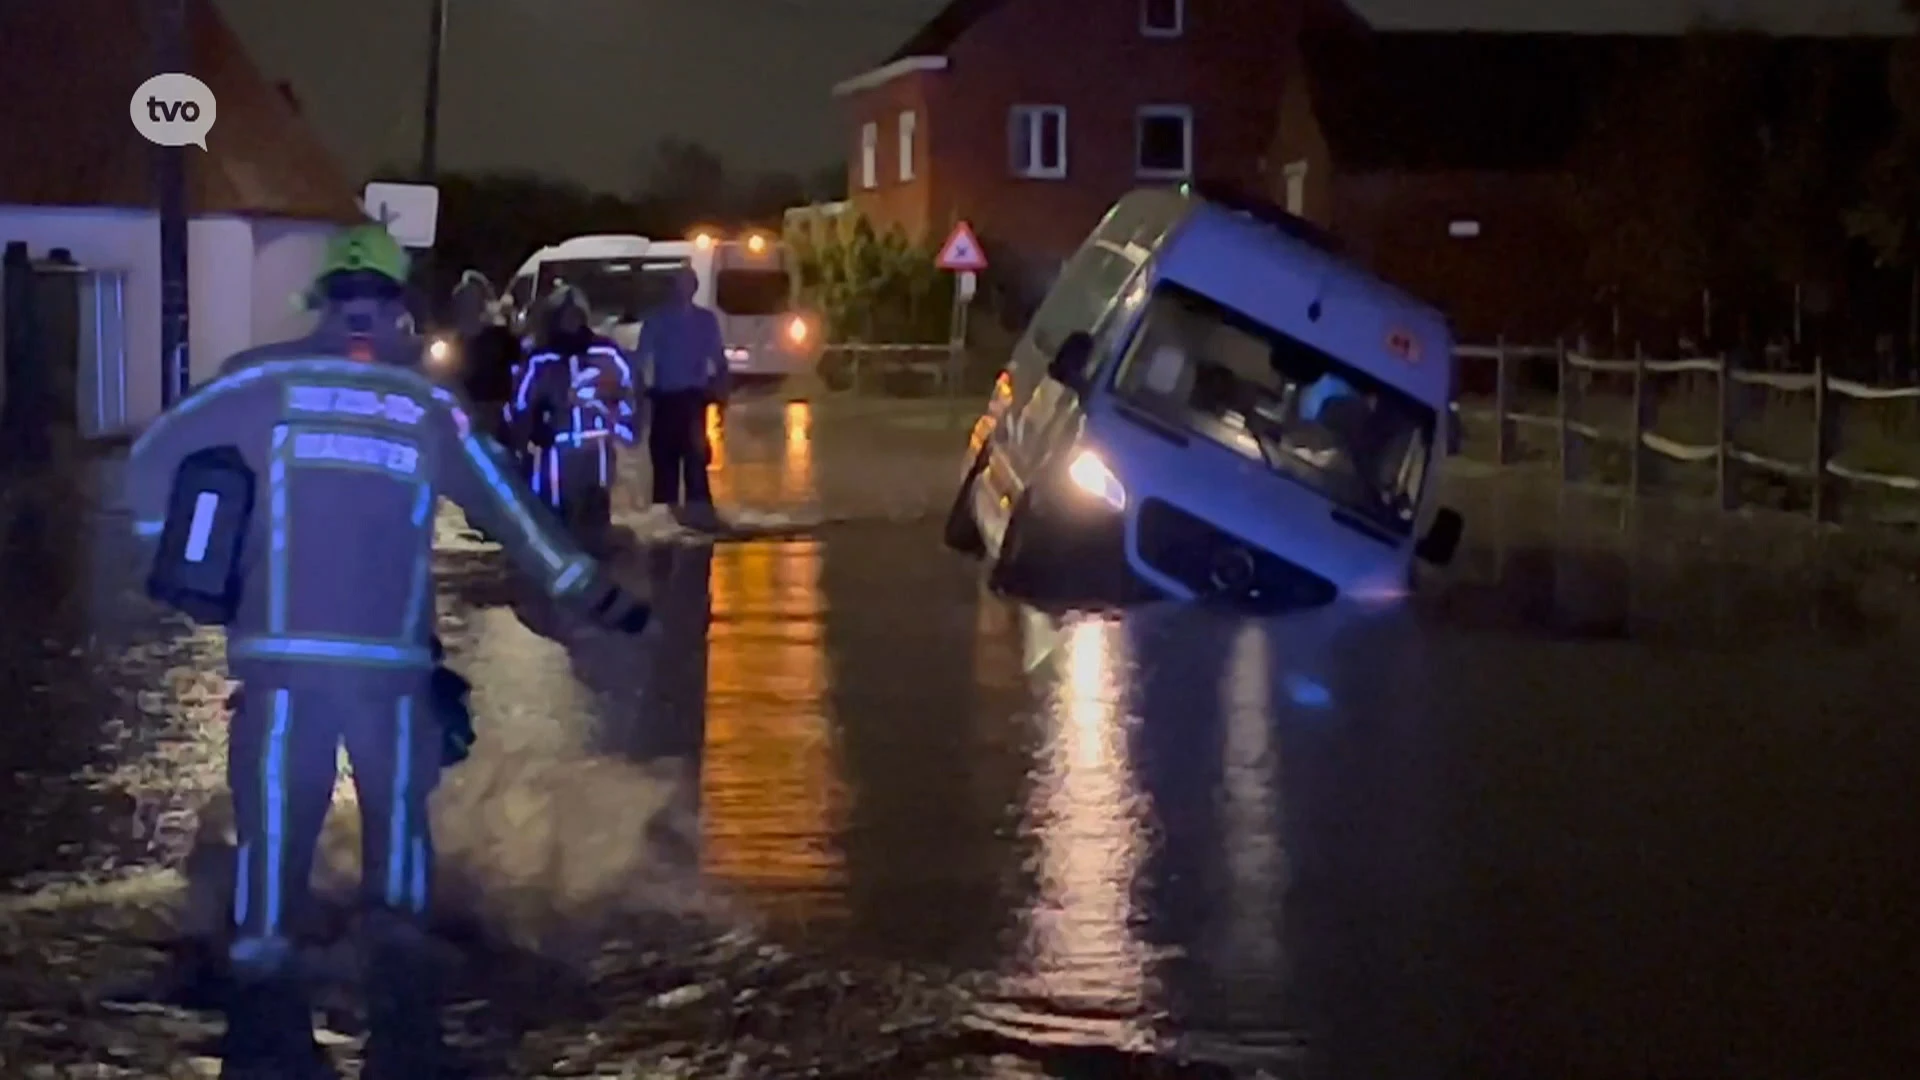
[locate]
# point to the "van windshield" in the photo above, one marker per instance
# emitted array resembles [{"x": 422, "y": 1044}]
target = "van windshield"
[
  {"x": 1214, "y": 372},
  {"x": 752, "y": 292},
  {"x": 622, "y": 289}
]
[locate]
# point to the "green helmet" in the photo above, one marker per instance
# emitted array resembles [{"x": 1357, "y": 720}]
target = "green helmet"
[{"x": 367, "y": 249}]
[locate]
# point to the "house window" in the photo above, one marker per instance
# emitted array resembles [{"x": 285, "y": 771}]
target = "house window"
[
  {"x": 1165, "y": 146},
  {"x": 869, "y": 155},
  {"x": 909, "y": 123},
  {"x": 1297, "y": 188},
  {"x": 1163, "y": 18},
  {"x": 1463, "y": 229},
  {"x": 1038, "y": 136}
]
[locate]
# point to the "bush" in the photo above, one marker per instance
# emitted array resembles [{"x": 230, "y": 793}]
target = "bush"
[{"x": 872, "y": 287}]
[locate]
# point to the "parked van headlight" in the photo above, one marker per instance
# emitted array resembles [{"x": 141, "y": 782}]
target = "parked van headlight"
[{"x": 1092, "y": 476}]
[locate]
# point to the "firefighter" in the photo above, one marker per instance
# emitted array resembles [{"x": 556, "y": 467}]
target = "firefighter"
[
  {"x": 329, "y": 618},
  {"x": 575, "y": 400}
]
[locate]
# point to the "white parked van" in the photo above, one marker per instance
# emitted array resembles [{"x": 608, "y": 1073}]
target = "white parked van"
[
  {"x": 1211, "y": 403},
  {"x": 745, "y": 281}
]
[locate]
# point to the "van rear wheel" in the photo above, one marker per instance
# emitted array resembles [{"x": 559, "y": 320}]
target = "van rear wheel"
[
  {"x": 1024, "y": 567},
  {"x": 963, "y": 529}
]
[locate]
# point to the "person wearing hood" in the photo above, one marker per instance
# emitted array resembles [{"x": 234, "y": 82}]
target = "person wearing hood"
[
  {"x": 680, "y": 345},
  {"x": 575, "y": 399},
  {"x": 324, "y": 586},
  {"x": 488, "y": 351}
]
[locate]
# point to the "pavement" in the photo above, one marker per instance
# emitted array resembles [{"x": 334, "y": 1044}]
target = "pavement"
[{"x": 1627, "y": 792}]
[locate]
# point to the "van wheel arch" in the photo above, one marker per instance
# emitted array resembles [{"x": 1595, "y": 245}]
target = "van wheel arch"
[{"x": 962, "y": 532}]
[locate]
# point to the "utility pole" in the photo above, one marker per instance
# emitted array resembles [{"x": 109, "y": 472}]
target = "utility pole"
[
  {"x": 430, "y": 144},
  {"x": 430, "y": 128},
  {"x": 170, "y": 181}
]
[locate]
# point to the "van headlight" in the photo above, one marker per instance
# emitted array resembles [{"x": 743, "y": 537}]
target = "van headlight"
[{"x": 1092, "y": 476}]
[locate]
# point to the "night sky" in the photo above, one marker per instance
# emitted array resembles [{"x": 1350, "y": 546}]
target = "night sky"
[{"x": 582, "y": 88}]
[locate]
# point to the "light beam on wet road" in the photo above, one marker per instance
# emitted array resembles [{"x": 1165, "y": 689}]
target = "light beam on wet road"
[{"x": 1560, "y": 826}]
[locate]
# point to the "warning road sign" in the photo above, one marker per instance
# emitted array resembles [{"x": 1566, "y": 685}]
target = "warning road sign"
[{"x": 962, "y": 251}]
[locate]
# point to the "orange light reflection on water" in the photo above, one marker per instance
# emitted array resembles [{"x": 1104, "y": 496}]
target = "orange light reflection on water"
[
  {"x": 1091, "y": 831},
  {"x": 772, "y": 796}
]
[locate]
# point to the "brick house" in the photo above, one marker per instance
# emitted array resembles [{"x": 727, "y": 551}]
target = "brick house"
[
  {"x": 1440, "y": 159},
  {"x": 1449, "y": 160},
  {"x": 1028, "y": 118}
]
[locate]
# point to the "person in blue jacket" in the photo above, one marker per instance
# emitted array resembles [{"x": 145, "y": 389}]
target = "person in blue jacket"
[
  {"x": 680, "y": 345},
  {"x": 331, "y": 635}
]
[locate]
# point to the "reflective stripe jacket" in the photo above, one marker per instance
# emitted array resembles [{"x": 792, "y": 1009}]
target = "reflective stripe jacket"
[
  {"x": 576, "y": 398},
  {"x": 349, "y": 458}
]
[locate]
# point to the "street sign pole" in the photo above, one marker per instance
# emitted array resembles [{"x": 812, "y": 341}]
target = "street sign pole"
[
  {"x": 170, "y": 182},
  {"x": 962, "y": 257}
]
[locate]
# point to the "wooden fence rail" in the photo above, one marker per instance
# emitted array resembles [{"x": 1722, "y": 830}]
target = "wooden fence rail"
[
  {"x": 1646, "y": 446},
  {"x": 856, "y": 366}
]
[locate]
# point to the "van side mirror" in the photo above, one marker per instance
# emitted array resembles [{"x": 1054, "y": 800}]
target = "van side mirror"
[
  {"x": 1069, "y": 365},
  {"x": 1443, "y": 538}
]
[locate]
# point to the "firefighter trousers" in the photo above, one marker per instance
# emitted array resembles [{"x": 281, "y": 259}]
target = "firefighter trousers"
[
  {"x": 281, "y": 764},
  {"x": 577, "y": 481}
]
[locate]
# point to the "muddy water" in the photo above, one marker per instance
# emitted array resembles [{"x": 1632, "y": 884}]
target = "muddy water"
[{"x": 1626, "y": 795}]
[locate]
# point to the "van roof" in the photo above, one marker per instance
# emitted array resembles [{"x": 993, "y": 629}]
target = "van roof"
[
  {"x": 1273, "y": 266},
  {"x": 603, "y": 246}
]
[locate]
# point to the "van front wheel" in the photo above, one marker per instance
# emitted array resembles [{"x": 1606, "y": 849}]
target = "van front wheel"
[
  {"x": 1024, "y": 567},
  {"x": 963, "y": 529}
]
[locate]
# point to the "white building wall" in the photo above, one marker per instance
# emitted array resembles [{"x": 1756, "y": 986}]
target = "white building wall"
[
  {"x": 242, "y": 277},
  {"x": 285, "y": 256}
]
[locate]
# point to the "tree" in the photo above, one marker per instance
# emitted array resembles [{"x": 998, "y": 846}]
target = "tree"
[
  {"x": 766, "y": 198},
  {"x": 873, "y": 286},
  {"x": 684, "y": 182},
  {"x": 827, "y": 183},
  {"x": 491, "y": 222}
]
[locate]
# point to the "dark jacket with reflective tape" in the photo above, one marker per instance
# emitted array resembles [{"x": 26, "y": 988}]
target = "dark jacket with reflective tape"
[
  {"x": 348, "y": 458},
  {"x": 576, "y": 397}
]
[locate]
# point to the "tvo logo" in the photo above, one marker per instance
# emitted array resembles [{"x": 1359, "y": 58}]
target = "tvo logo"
[{"x": 173, "y": 110}]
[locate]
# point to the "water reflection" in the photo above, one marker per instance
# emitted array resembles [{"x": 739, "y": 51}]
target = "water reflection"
[
  {"x": 1081, "y": 955},
  {"x": 771, "y": 793},
  {"x": 1242, "y": 939},
  {"x": 762, "y": 458}
]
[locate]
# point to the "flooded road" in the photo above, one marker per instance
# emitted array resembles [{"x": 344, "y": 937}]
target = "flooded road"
[{"x": 1626, "y": 795}]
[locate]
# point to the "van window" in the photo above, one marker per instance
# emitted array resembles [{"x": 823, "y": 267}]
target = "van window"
[
  {"x": 1144, "y": 218},
  {"x": 1087, "y": 290},
  {"x": 752, "y": 292},
  {"x": 614, "y": 288},
  {"x": 1276, "y": 399},
  {"x": 521, "y": 292}
]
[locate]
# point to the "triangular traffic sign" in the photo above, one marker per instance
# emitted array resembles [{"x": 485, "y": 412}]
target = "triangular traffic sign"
[{"x": 962, "y": 251}]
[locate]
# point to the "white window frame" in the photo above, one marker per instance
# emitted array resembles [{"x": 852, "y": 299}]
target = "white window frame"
[
  {"x": 1178, "y": 27},
  {"x": 909, "y": 136},
  {"x": 1296, "y": 176},
  {"x": 869, "y": 156},
  {"x": 1028, "y": 120},
  {"x": 1182, "y": 113}
]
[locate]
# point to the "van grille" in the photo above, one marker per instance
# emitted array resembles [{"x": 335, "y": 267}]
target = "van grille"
[{"x": 1216, "y": 563}]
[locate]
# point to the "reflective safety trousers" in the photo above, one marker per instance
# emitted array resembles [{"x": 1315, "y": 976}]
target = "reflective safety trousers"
[{"x": 281, "y": 764}]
